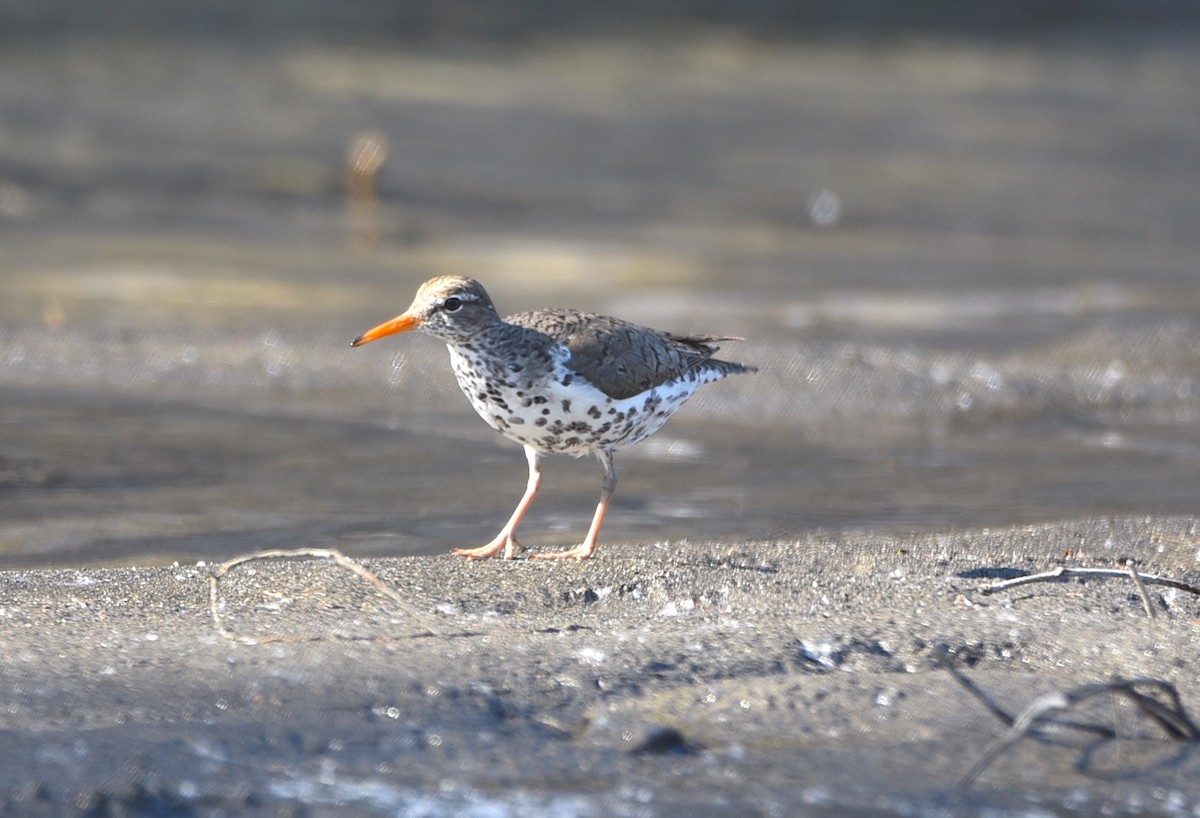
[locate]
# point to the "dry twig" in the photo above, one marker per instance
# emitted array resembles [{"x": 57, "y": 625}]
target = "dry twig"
[
  {"x": 214, "y": 579},
  {"x": 1169, "y": 715},
  {"x": 1140, "y": 580},
  {"x": 1004, "y": 716},
  {"x": 1141, "y": 587}
]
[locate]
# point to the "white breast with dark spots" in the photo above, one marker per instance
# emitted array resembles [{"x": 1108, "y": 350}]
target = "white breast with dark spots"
[{"x": 555, "y": 410}]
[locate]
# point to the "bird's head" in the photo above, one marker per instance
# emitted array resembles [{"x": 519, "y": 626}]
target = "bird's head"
[{"x": 452, "y": 308}]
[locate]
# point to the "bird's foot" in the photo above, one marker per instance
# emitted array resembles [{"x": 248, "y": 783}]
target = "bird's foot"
[
  {"x": 579, "y": 552},
  {"x": 511, "y": 545}
]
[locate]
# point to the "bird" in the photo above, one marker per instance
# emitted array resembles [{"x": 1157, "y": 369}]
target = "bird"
[{"x": 559, "y": 381}]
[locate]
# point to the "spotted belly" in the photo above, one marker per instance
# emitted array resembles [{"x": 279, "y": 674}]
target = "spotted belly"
[{"x": 574, "y": 418}]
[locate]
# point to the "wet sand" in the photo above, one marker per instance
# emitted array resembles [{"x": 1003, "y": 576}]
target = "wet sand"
[
  {"x": 964, "y": 260},
  {"x": 996, "y": 323},
  {"x": 751, "y": 678}
]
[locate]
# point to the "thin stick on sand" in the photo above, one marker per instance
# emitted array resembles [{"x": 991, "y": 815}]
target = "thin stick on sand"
[
  {"x": 1141, "y": 587},
  {"x": 214, "y": 580},
  {"x": 1140, "y": 581},
  {"x": 1169, "y": 715}
]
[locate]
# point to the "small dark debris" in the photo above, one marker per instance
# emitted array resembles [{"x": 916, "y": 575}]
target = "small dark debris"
[
  {"x": 992, "y": 573},
  {"x": 664, "y": 741},
  {"x": 575, "y": 595}
]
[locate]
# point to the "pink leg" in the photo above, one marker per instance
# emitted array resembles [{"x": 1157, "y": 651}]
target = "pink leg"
[
  {"x": 506, "y": 539},
  {"x": 588, "y": 547}
]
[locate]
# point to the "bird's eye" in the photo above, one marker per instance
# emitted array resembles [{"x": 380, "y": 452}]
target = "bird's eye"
[{"x": 452, "y": 304}]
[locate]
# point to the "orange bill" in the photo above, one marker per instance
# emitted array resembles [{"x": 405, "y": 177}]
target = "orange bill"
[{"x": 401, "y": 323}]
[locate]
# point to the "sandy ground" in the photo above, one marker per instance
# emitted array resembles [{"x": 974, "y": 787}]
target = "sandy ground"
[
  {"x": 759, "y": 678},
  {"x": 998, "y": 321}
]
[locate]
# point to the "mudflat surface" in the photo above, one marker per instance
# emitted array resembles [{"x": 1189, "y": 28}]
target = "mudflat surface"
[
  {"x": 960, "y": 242},
  {"x": 964, "y": 263},
  {"x": 753, "y": 678}
]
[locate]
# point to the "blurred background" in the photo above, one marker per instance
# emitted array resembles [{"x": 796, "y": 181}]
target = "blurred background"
[{"x": 960, "y": 239}]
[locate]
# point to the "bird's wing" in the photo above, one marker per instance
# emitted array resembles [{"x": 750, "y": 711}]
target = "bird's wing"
[{"x": 619, "y": 358}]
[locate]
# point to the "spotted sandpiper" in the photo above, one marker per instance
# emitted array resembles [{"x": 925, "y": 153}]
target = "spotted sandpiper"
[{"x": 559, "y": 381}]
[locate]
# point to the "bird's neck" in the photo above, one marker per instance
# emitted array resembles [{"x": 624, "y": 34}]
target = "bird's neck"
[{"x": 489, "y": 352}]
